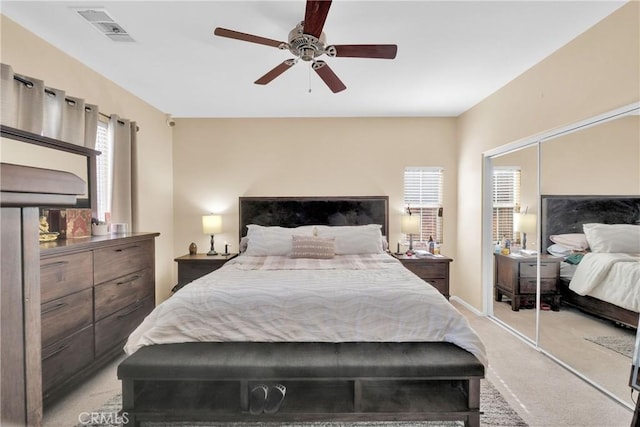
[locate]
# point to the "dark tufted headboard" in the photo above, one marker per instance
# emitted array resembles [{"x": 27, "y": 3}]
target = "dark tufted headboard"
[
  {"x": 567, "y": 214},
  {"x": 296, "y": 211}
]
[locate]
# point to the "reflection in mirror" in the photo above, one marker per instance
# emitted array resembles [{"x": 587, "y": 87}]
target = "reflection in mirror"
[
  {"x": 515, "y": 200},
  {"x": 20, "y": 153},
  {"x": 602, "y": 160}
]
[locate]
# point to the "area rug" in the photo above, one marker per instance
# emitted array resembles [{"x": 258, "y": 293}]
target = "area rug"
[
  {"x": 621, "y": 344},
  {"x": 496, "y": 412}
]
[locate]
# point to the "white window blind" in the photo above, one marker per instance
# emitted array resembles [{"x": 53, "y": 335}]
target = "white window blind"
[
  {"x": 423, "y": 188},
  {"x": 506, "y": 200},
  {"x": 104, "y": 169}
]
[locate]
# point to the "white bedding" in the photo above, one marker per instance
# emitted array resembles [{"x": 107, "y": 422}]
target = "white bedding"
[
  {"x": 611, "y": 277},
  {"x": 272, "y": 299}
]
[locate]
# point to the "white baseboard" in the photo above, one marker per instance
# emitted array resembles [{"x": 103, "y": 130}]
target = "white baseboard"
[{"x": 467, "y": 306}]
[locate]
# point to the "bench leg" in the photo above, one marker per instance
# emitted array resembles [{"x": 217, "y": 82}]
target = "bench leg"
[
  {"x": 473, "y": 401},
  {"x": 128, "y": 404}
]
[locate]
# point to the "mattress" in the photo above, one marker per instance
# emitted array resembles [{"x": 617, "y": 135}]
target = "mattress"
[
  {"x": 350, "y": 298},
  {"x": 610, "y": 277}
]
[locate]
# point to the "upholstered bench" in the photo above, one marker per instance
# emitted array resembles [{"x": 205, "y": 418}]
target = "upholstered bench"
[{"x": 325, "y": 381}]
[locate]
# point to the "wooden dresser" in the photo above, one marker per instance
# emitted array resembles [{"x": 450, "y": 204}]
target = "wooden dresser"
[
  {"x": 432, "y": 269},
  {"x": 94, "y": 292}
]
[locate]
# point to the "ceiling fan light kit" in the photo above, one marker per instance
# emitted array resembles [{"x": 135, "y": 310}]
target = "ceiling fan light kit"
[{"x": 307, "y": 42}]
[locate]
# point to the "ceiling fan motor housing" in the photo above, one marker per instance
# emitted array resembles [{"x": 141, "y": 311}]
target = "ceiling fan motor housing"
[{"x": 306, "y": 46}]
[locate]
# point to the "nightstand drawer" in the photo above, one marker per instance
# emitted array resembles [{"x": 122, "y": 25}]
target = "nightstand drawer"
[
  {"x": 441, "y": 285},
  {"x": 547, "y": 269},
  {"x": 428, "y": 271},
  {"x": 189, "y": 272},
  {"x": 528, "y": 286}
]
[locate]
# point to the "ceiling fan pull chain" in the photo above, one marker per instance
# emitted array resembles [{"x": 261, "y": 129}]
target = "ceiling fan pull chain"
[{"x": 310, "y": 64}]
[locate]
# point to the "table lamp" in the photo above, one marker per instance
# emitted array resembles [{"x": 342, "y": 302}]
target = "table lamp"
[
  {"x": 410, "y": 225},
  {"x": 524, "y": 223},
  {"x": 211, "y": 224}
]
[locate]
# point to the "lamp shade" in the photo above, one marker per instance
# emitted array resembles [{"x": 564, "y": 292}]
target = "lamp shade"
[
  {"x": 410, "y": 224},
  {"x": 524, "y": 223},
  {"x": 211, "y": 224}
]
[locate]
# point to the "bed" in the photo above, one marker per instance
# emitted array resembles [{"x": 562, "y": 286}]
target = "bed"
[
  {"x": 353, "y": 335},
  {"x": 604, "y": 283}
]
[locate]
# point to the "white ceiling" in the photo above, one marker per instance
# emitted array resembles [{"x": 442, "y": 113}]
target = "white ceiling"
[{"x": 451, "y": 54}]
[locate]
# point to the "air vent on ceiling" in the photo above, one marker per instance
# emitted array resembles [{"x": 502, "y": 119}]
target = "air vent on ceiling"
[{"x": 100, "y": 20}]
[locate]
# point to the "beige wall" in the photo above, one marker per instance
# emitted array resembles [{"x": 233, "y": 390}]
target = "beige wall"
[
  {"x": 32, "y": 56},
  {"x": 218, "y": 160},
  {"x": 596, "y": 72}
]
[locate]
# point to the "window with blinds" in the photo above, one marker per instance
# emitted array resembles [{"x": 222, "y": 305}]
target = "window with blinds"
[
  {"x": 104, "y": 169},
  {"x": 506, "y": 201},
  {"x": 423, "y": 195}
]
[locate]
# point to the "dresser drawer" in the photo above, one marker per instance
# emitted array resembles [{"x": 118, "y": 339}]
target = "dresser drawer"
[
  {"x": 428, "y": 270},
  {"x": 547, "y": 269},
  {"x": 117, "y": 261},
  {"x": 528, "y": 285},
  {"x": 63, "y": 275},
  {"x": 66, "y": 357},
  {"x": 115, "y": 294},
  {"x": 116, "y": 328},
  {"x": 64, "y": 316}
]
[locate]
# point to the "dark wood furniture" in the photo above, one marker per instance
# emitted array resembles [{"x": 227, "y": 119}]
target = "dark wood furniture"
[
  {"x": 94, "y": 291},
  {"x": 192, "y": 267},
  {"x": 22, "y": 190},
  {"x": 327, "y": 381},
  {"x": 432, "y": 269},
  {"x": 566, "y": 214},
  {"x": 515, "y": 277}
]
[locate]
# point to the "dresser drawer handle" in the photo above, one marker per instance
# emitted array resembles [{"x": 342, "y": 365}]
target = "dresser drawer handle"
[
  {"x": 53, "y": 264},
  {"x": 59, "y": 350},
  {"x": 124, "y": 249},
  {"x": 55, "y": 307},
  {"x": 129, "y": 280},
  {"x": 133, "y": 310}
]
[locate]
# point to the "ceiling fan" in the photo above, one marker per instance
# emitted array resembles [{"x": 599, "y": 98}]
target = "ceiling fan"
[{"x": 308, "y": 42}]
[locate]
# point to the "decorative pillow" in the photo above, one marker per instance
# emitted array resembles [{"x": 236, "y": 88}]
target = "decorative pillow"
[
  {"x": 354, "y": 239},
  {"x": 613, "y": 238},
  {"x": 559, "y": 250},
  {"x": 263, "y": 241},
  {"x": 573, "y": 241},
  {"x": 312, "y": 247}
]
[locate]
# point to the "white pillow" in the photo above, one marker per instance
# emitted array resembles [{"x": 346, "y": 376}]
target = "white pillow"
[
  {"x": 559, "y": 250},
  {"x": 263, "y": 241},
  {"x": 354, "y": 239},
  {"x": 574, "y": 241},
  {"x": 613, "y": 238}
]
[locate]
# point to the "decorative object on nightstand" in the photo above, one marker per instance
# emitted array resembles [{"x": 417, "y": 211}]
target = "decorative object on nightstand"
[
  {"x": 524, "y": 223},
  {"x": 193, "y": 248},
  {"x": 212, "y": 224},
  {"x": 433, "y": 269},
  {"x": 515, "y": 276},
  {"x": 410, "y": 226},
  {"x": 192, "y": 267},
  {"x": 226, "y": 249}
]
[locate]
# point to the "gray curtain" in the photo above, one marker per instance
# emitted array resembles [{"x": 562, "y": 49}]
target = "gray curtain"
[
  {"x": 53, "y": 110},
  {"x": 90, "y": 125},
  {"x": 121, "y": 192},
  {"x": 28, "y": 105}
]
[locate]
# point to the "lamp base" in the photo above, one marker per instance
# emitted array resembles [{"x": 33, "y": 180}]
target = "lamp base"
[{"x": 212, "y": 253}]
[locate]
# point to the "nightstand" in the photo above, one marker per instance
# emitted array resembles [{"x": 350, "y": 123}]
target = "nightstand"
[
  {"x": 433, "y": 269},
  {"x": 515, "y": 277},
  {"x": 192, "y": 267}
]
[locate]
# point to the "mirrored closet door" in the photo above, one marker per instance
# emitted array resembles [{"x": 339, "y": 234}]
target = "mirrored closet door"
[{"x": 588, "y": 172}]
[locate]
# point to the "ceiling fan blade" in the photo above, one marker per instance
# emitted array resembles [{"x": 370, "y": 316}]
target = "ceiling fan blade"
[
  {"x": 328, "y": 76},
  {"x": 382, "y": 51},
  {"x": 315, "y": 15},
  {"x": 279, "y": 69},
  {"x": 223, "y": 32}
]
